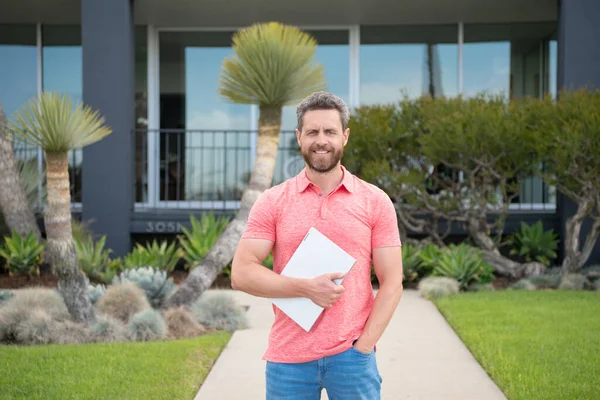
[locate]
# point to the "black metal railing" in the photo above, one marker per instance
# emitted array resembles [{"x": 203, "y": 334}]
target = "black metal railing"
[
  {"x": 204, "y": 168},
  {"x": 209, "y": 169}
]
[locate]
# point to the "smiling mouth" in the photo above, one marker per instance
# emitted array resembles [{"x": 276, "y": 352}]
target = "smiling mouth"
[{"x": 321, "y": 152}]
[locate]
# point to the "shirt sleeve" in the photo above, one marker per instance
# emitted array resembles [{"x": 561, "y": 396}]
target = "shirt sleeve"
[
  {"x": 261, "y": 222},
  {"x": 385, "y": 232}
]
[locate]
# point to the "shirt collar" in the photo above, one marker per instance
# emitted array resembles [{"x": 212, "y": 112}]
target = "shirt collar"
[{"x": 303, "y": 182}]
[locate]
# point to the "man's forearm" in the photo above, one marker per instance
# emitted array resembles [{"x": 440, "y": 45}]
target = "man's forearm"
[
  {"x": 384, "y": 305},
  {"x": 260, "y": 281}
]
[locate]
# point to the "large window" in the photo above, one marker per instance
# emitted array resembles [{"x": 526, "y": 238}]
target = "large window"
[
  {"x": 207, "y": 160},
  {"x": 509, "y": 59},
  {"x": 18, "y": 76},
  {"x": 407, "y": 60}
]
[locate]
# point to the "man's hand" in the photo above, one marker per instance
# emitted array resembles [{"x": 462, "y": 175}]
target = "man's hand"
[{"x": 323, "y": 291}]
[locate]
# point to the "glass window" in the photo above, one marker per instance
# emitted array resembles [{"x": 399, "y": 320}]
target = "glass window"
[
  {"x": 18, "y": 77},
  {"x": 506, "y": 59},
  {"x": 205, "y": 159},
  {"x": 411, "y": 60},
  {"x": 62, "y": 71}
]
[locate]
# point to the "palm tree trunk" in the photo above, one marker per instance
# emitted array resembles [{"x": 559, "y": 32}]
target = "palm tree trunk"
[
  {"x": 13, "y": 202},
  {"x": 221, "y": 254},
  {"x": 61, "y": 247}
]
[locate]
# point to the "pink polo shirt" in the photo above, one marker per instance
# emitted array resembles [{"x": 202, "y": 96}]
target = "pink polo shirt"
[{"x": 358, "y": 217}]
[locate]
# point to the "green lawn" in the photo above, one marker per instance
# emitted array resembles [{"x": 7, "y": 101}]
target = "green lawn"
[
  {"x": 148, "y": 370},
  {"x": 535, "y": 345}
]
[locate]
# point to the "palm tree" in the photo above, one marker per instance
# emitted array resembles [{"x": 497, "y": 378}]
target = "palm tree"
[
  {"x": 14, "y": 203},
  {"x": 273, "y": 66},
  {"x": 52, "y": 123}
]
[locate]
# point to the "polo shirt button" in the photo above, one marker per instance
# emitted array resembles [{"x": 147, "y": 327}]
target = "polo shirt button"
[{"x": 320, "y": 194}]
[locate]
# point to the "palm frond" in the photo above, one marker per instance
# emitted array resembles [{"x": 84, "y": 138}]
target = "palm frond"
[
  {"x": 273, "y": 65},
  {"x": 52, "y": 123}
]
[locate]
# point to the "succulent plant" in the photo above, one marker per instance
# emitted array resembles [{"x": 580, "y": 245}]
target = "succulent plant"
[
  {"x": 95, "y": 292},
  {"x": 147, "y": 325},
  {"x": 153, "y": 280}
]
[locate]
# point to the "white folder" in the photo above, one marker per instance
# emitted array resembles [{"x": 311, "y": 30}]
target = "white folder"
[{"x": 316, "y": 255}]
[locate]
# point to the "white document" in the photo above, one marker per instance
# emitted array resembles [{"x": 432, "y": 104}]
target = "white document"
[{"x": 316, "y": 255}]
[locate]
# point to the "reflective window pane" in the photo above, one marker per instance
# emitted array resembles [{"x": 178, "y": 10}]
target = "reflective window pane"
[
  {"x": 506, "y": 59},
  {"x": 194, "y": 163},
  {"x": 18, "y": 77},
  {"x": 407, "y": 60}
]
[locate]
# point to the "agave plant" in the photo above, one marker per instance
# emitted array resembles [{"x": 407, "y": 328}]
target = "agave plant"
[
  {"x": 154, "y": 282},
  {"x": 22, "y": 255},
  {"x": 533, "y": 243},
  {"x": 197, "y": 241},
  {"x": 465, "y": 264},
  {"x": 161, "y": 256},
  {"x": 273, "y": 65},
  {"x": 54, "y": 124},
  {"x": 94, "y": 259}
]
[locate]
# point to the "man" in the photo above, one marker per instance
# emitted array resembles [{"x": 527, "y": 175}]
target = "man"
[{"x": 338, "y": 353}]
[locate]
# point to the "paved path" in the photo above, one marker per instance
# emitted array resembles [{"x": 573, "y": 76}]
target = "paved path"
[{"x": 419, "y": 357}]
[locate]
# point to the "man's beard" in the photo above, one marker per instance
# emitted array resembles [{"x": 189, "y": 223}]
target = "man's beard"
[{"x": 322, "y": 164}]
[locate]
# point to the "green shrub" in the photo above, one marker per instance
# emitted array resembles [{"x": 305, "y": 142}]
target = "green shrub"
[
  {"x": 435, "y": 287},
  {"x": 161, "y": 256},
  {"x": 95, "y": 292},
  {"x": 182, "y": 324},
  {"x": 574, "y": 282},
  {"x": 109, "y": 330},
  {"x": 197, "y": 241},
  {"x": 534, "y": 244},
  {"x": 147, "y": 325},
  {"x": 22, "y": 255},
  {"x": 122, "y": 300},
  {"x": 94, "y": 260},
  {"x": 219, "y": 311},
  {"x": 463, "y": 263},
  {"x": 524, "y": 284},
  {"x": 153, "y": 280},
  {"x": 5, "y": 295}
]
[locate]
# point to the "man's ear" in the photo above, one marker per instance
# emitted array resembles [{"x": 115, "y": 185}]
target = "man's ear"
[
  {"x": 298, "y": 136},
  {"x": 346, "y": 136}
]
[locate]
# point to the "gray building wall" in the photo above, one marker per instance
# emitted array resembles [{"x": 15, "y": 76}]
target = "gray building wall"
[
  {"x": 107, "y": 33},
  {"x": 578, "y": 65}
]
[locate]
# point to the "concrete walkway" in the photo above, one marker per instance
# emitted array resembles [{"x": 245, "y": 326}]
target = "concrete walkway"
[{"x": 419, "y": 358}]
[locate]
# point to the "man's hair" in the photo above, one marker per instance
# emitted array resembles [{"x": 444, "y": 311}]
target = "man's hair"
[{"x": 323, "y": 101}]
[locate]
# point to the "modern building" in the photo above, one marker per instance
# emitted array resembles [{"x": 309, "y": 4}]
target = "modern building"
[{"x": 152, "y": 66}]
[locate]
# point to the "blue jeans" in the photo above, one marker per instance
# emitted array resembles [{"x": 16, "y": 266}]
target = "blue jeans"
[{"x": 346, "y": 376}]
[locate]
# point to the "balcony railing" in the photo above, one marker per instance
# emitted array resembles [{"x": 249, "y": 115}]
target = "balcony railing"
[
  {"x": 202, "y": 169},
  {"x": 209, "y": 170}
]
